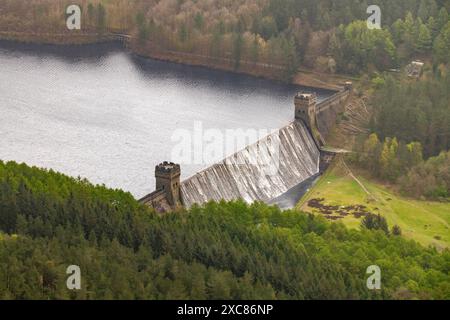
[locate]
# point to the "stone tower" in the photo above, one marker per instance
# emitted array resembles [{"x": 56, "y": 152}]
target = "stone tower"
[
  {"x": 305, "y": 108},
  {"x": 167, "y": 176}
]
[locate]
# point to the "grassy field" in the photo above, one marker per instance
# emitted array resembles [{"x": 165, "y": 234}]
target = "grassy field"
[{"x": 424, "y": 221}]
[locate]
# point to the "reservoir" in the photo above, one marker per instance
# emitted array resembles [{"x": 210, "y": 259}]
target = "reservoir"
[{"x": 100, "y": 113}]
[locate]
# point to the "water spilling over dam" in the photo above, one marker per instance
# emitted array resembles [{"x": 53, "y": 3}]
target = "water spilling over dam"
[
  {"x": 260, "y": 172},
  {"x": 276, "y": 169}
]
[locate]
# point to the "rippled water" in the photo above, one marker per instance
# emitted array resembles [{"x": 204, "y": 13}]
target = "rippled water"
[{"x": 101, "y": 113}]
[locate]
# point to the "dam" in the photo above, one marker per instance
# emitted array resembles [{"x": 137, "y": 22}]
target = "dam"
[{"x": 262, "y": 171}]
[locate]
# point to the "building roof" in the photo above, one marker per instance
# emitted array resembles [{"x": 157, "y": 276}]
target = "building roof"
[{"x": 306, "y": 96}]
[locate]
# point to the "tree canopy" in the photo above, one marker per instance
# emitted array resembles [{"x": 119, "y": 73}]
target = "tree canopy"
[
  {"x": 278, "y": 35},
  {"x": 227, "y": 250}
]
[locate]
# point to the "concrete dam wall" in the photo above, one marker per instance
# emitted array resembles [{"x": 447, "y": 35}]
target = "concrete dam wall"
[{"x": 260, "y": 172}]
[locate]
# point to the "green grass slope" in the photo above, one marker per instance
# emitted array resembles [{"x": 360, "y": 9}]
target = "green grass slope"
[{"x": 424, "y": 221}]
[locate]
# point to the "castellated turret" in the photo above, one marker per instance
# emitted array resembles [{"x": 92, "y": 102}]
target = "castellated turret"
[
  {"x": 305, "y": 108},
  {"x": 167, "y": 176}
]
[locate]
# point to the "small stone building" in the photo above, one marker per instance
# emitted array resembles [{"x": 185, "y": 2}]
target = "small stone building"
[{"x": 414, "y": 69}]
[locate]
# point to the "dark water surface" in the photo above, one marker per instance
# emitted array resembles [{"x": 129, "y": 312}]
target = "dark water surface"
[
  {"x": 291, "y": 197},
  {"x": 99, "y": 112}
]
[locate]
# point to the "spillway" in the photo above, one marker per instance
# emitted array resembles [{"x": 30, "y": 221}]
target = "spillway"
[{"x": 260, "y": 172}]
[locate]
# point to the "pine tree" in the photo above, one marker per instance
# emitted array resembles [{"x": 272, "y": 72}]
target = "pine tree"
[
  {"x": 441, "y": 48},
  {"x": 443, "y": 18},
  {"x": 424, "y": 41},
  {"x": 433, "y": 27}
]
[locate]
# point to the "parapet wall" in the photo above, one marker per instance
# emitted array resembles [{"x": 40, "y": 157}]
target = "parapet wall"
[
  {"x": 153, "y": 198},
  {"x": 327, "y": 111},
  {"x": 332, "y": 101}
]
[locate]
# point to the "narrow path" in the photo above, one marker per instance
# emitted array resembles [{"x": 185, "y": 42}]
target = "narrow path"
[
  {"x": 335, "y": 150},
  {"x": 355, "y": 178}
]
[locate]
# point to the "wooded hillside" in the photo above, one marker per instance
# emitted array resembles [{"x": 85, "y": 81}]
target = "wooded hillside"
[
  {"x": 329, "y": 36},
  {"x": 221, "y": 251}
]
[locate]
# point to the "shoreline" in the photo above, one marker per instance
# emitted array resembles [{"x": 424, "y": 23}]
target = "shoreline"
[{"x": 304, "y": 77}]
